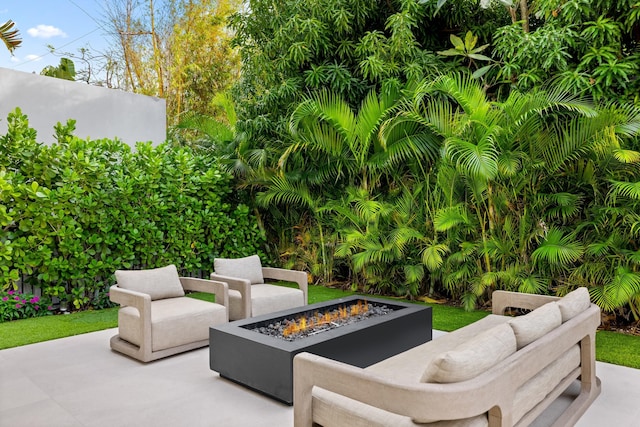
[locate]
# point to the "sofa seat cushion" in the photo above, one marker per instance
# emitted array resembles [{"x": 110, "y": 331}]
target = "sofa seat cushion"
[
  {"x": 473, "y": 357},
  {"x": 535, "y": 390},
  {"x": 334, "y": 410},
  {"x": 265, "y": 299},
  {"x": 574, "y": 303},
  {"x": 249, "y": 268},
  {"x": 409, "y": 365},
  {"x": 158, "y": 283},
  {"x": 174, "y": 322},
  {"x": 536, "y": 324}
]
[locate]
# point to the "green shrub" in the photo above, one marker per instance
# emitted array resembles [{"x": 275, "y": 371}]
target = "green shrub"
[
  {"x": 74, "y": 212},
  {"x": 14, "y": 305}
]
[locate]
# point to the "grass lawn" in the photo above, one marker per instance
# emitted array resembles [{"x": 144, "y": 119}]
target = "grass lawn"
[{"x": 611, "y": 347}]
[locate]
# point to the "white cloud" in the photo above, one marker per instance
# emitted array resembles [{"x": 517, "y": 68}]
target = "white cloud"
[
  {"x": 33, "y": 57},
  {"x": 46, "y": 32},
  {"x": 15, "y": 59}
]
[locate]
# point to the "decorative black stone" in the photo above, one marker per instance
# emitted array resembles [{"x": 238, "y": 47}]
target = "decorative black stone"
[{"x": 265, "y": 363}]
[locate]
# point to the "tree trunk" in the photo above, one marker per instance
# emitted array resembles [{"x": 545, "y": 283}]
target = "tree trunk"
[{"x": 524, "y": 15}]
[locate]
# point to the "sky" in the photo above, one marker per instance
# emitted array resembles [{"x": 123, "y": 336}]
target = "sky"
[{"x": 68, "y": 25}]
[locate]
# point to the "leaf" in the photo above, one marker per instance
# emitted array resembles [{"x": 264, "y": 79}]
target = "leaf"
[
  {"x": 626, "y": 156},
  {"x": 479, "y": 57},
  {"x": 481, "y": 71},
  {"x": 457, "y": 42},
  {"x": 449, "y": 218},
  {"x": 626, "y": 189},
  {"x": 451, "y": 52},
  {"x": 558, "y": 249},
  {"x": 432, "y": 256},
  {"x": 470, "y": 41},
  {"x": 9, "y": 36}
]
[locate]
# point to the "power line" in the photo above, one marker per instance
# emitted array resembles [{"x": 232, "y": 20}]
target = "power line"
[{"x": 38, "y": 57}]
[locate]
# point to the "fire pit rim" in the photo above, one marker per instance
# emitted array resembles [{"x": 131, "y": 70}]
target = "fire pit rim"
[{"x": 239, "y": 326}]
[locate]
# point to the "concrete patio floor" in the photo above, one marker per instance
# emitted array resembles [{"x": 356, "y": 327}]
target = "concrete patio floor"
[{"x": 79, "y": 381}]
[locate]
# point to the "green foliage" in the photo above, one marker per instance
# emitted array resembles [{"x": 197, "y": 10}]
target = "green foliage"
[
  {"x": 73, "y": 213},
  {"x": 590, "y": 46},
  {"x": 444, "y": 191},
  {"x": 66, "y": 70}
]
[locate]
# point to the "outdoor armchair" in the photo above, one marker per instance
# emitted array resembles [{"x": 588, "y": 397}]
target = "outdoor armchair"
[
  {"x": 157, "y": 320},
  {"x": 250, "y": 296}
]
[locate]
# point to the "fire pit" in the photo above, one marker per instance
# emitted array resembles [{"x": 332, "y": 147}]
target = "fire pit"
[{"x": 257, "y": 353}]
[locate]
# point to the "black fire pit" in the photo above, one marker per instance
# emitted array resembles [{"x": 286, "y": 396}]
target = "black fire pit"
[{"x": 239, "y": 352}]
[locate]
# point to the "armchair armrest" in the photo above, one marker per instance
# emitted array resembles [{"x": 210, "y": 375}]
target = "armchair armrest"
[
  {"x": 241, "y": 285},
  {"x": 125, "y": 297},
  {"x": 140, "y": 301},
  {"x": 501, "y": 300},
  {"x": 299, "y": 277},
  {"x": 219, "y": 289}
]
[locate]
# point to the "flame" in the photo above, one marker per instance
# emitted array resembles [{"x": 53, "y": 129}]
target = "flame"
[{"x": 319, "y": 319}]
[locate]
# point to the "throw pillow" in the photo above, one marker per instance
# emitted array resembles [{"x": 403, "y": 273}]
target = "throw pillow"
[
  {"x": 249, "y": 268},
  {"x": 535, "y": 324},
  {"x": 574, "y": 303},
  {"x": 158, "y": 283},
  {"x": 472, "y": 358}
]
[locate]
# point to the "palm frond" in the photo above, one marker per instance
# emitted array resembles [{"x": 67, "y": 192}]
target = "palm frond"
[
  {"x": 625, "y": 189},
  {"x": 10, "y": 36},
  {"x": 624, "y": 286},
  {"x": 626, "y": 156},
  {"x": 451, "y": 217},
  {"x": 432, "y": 256},
  {"x": 283, "y": 191},
  {"x": 557, "y": 249},
  {"x": 533, "y": 284},
  {"x": 479, "y": 160},
  {"x": 413, "y": 273}
]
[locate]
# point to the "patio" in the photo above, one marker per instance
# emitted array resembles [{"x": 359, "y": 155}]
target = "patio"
[{"x": 79, "y": 381}]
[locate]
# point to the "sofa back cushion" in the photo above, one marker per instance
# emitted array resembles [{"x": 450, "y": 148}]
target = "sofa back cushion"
[
  {"x": 249, "y": 268},
  {"x": 535, "y": 324},
  {"x": 158, "y": 283},
  {"x": 574, "y": 303},
  {"x": 473, "y": 357}
]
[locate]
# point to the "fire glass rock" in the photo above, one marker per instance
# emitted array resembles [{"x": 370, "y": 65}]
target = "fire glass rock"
[{"x": 289, "y": 329}]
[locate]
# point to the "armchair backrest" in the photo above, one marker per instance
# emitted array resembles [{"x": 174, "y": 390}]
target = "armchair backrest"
[
  {"x": 158, "y": 283},
  {"x": 248, "y": 268}
]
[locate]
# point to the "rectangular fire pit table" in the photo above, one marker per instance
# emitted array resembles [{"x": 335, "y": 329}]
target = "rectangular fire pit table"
[{"x": 265, "y": 363}]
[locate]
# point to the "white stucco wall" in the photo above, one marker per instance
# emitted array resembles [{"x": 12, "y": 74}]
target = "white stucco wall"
[{"x": 99, "y": 112}]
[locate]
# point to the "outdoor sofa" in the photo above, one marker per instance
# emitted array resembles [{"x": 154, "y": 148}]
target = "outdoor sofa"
[{"x": 537, "y": 369}]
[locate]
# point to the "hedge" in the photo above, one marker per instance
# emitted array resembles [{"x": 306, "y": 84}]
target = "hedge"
[{"x": 74, "y": 212}]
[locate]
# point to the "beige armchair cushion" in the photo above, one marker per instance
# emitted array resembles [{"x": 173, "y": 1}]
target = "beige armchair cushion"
[
  {"x": 470, "y": 359},
  {"x": 249, "y": 268},
  {"x": 158, "y": 283},
  {"x": 271, "y": 298},
  {"x": 174, "y": 322},
  {"x": 535, "y": 324},
  {"x": 574, "y": 303}
]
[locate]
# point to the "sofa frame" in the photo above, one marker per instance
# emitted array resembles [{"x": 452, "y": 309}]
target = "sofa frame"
[{"x": 491, "y": 392}]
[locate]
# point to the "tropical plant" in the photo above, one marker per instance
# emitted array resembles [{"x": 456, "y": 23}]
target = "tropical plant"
[
  {"x": 66, "y": 70},
  {"x": 10, "y": 36},
  {"x": 512, "y": 203}
]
